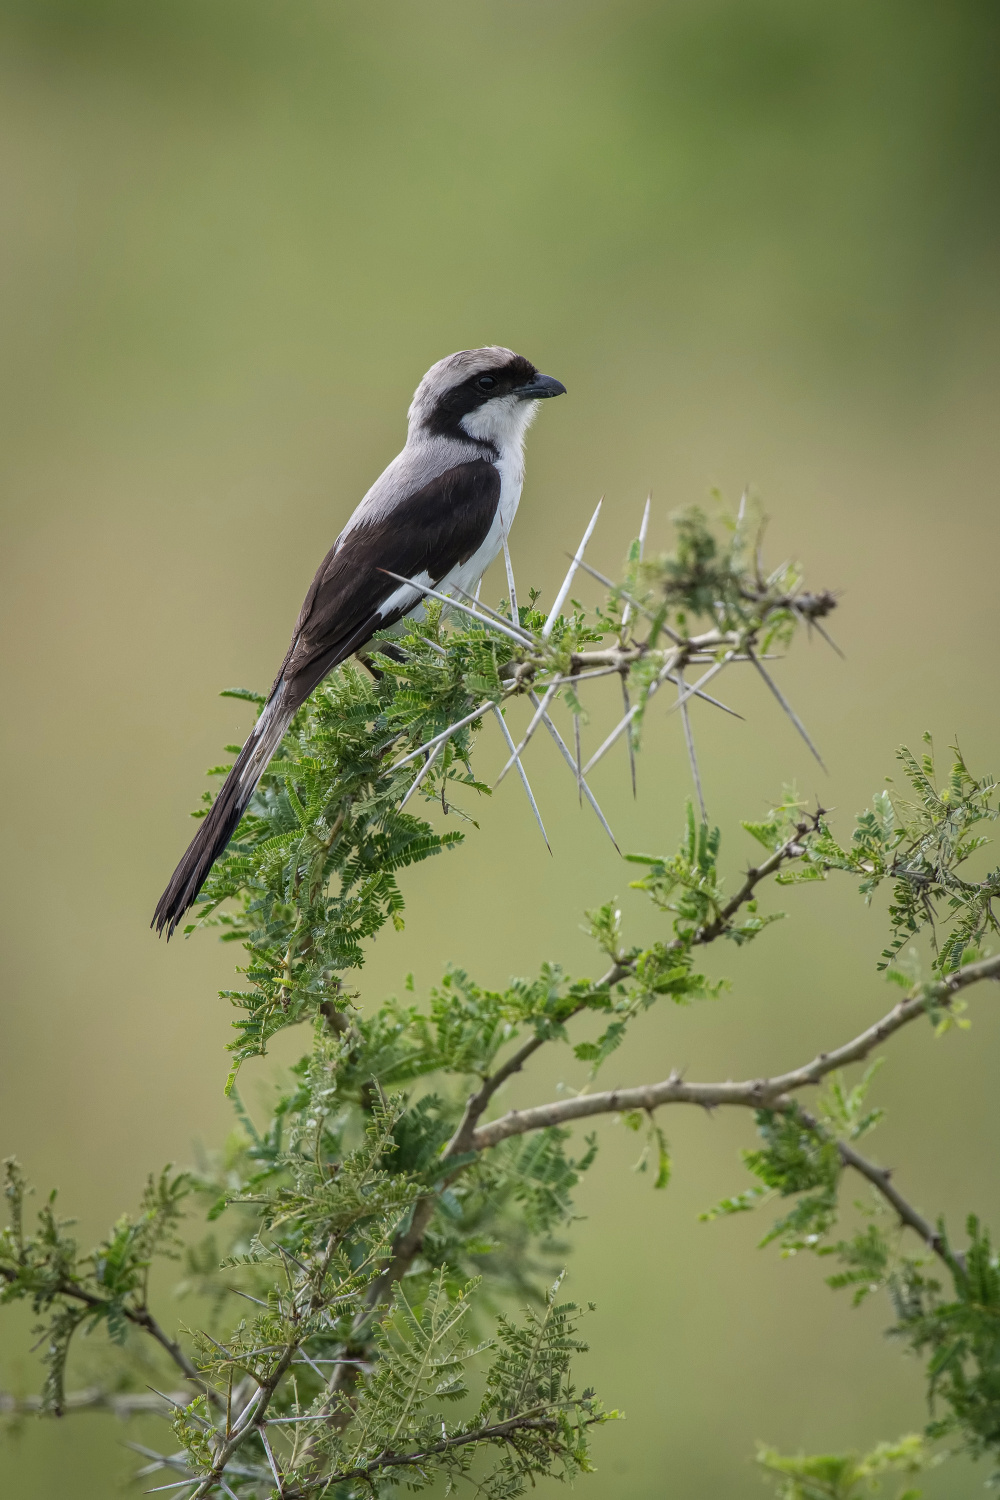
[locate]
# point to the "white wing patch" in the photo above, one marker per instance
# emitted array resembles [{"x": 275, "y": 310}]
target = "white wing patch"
[{"x": 405, "y": 596}]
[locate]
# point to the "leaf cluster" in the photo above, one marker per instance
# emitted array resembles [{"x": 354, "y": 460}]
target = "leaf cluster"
[
  {"x": 363, "y": 1254},
  {"x": 107, "y": 1287},
  {"x": 845, "y": 1476},
  {"x": 919, "y": 844},
  {"x": 959, "y": 1335}
]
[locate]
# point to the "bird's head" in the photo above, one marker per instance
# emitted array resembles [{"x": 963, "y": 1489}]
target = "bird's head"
[{"x": 488, "y": 394}]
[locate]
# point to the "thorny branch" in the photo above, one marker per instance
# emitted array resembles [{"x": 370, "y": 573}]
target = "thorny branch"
[
  {"x": 542, "y": 663},
  {"x": 497, "y": 1432},
  {"x": 139, "y": 1317},
  {"x": 122, "y": 1404},
  {"x": 741, "y": 635},
  {"x": 753, "y": 1093},
  {"x": 759, "y": 1093}
]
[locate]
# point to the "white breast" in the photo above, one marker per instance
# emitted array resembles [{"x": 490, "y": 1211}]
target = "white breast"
[
  {"x": 503, "y": 424},
  {"x": 468, "y": 574}
]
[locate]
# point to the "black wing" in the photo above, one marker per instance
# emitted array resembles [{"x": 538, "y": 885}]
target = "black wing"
[{"x": 431, "y": 531}]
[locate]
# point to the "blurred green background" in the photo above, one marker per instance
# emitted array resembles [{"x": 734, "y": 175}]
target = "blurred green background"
[{"x": 758, "y": 241}]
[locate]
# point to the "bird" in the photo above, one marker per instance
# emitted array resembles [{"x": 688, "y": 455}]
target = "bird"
[{"x": 437, "y": 515}]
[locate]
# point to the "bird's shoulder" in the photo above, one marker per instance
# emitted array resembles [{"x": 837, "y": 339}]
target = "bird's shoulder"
[
  {"x": 426, "y": 528},
  {"x": 418, "y": 475}
]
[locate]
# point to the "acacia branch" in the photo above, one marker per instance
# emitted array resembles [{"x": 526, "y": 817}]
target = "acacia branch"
[
  {"x": 773, "y": 1094},
  {"x": 791, "y": 849},
  {"x": 143, "y": 1318},
  {"x": 93, "y": 1398},
  {"x": 250, "y": 1420},
  {"x": 407, "y": 1245},
  {"x": 139, "y": 1317},
  {"x": 498, "y": 1432},
  {"x": 754, "y": 1093},
  {"x": 461, "y": 1141},
  {"x": 468, "y": 1138},
  {"x": 880, "y": 1179}
]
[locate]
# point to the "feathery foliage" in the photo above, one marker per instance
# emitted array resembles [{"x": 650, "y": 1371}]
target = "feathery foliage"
[
  {"x": 846, "y": 1476},
  {"x": 366, "y": 1244}
]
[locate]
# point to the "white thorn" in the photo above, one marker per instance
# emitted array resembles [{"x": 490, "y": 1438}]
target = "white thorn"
[
  {"x": 789, "y": 710},
  {"x": 445, "y": 734},
  {"x": 270, "y": 1458},
  {"x": 623, "y": 724},
  {"x": 524, "y": 775},
  {"x": 689, "y": 740},
  {"x": 423, "y": 588},
  {"x": 705, "y": 677},
  {"x": 631, "y": 744},
  {"x": 584, "y": 676},
  {"x": 616, "y": 588},
  {"x": 549, "y": 694},
  {"x": 494, "y": 614},
  {"x": 422, "y": 773},
  {"x": 511, "y": 589},
  {"x": 569, "y": 761},
  {"x": 560, "y": 597},
  {"x": 627, "y": 611}
]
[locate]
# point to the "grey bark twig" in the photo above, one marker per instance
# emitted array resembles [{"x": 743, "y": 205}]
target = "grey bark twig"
[
  {"x": 497, "y": 1432},
  {"x": 752, "y": 1093},
  {"x": 122, "y": 1404},
  {"x": 880, "y": 1179}
]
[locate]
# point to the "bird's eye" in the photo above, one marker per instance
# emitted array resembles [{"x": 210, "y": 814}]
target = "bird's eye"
[{"x": 486, "y": 382}]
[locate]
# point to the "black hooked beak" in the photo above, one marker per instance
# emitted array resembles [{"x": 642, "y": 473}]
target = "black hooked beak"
[{"x": 539, "y": 388}]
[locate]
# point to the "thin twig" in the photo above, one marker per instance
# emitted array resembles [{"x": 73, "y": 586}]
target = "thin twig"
[
  {"x": 754, "y": 1093},
  {"x": 880, "y": 1178},
  {"x": 499, "y": 1432},
  {"x": 92, "y": 1398}
]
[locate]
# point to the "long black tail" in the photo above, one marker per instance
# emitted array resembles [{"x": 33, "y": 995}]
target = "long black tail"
[{"x": 221, "y": 822}]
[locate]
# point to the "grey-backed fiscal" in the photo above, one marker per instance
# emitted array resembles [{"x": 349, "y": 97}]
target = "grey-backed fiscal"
[{"x": 438, "y": 515}]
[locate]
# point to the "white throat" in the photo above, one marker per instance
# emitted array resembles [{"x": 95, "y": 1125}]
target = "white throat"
[{"x": 504, "y": 422}]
